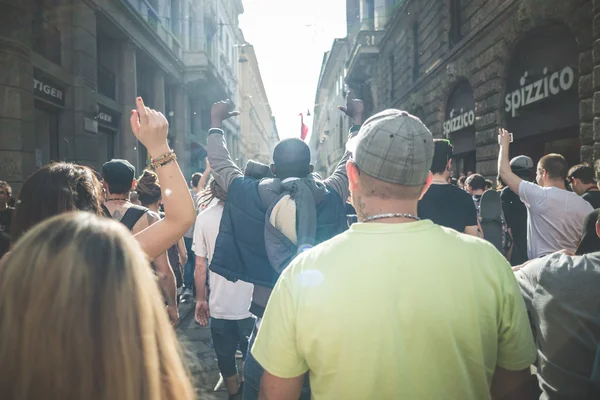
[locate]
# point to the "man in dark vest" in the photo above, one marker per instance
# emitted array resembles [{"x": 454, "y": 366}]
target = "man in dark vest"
[{"x": 247, "y": 245}]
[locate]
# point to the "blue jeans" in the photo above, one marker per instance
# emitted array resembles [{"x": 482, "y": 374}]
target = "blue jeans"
[
  {"x": 190, "y": 266},
  {"x": 253, "y": 373}
]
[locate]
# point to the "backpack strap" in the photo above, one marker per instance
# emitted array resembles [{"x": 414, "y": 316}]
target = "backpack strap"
[
  {"x": 105, "y": 211},
  {"x": 133, "y": 215}
]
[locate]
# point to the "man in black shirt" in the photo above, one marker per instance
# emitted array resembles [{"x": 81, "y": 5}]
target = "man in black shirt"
[
  {"x": 445, "y": 204},
  {"x": 515, "y": 212},
  {"x": 581, "y": 179},
  {"x": 589, "y": 240},
  {"x": 6, "y": 214}
]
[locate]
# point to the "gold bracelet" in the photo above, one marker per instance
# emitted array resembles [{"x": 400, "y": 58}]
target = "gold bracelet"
[{"x": 163, "y": 160}]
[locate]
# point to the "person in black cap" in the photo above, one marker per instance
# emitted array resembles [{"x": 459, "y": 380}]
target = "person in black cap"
[
  {"x": 118, "y": 181},
  {"x": 590, "y": 242},
  {"x": 515, "y": 211}
]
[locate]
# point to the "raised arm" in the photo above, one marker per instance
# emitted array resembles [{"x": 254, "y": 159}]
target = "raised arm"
[
  {"x": 225, "y": 170},
  {"x": 338, "y": 181},
  {"x": 509, "y": 177},
  {"x": 205, "y": 176},
  {"x": 151, "y": 129}
]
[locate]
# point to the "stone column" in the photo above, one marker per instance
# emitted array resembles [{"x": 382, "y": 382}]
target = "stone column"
[
  {"x": 589, "y": 153},
  {"x": 178, "y": 130},
  {"x": 84, "y": 61},
  {"x": 158, "y": 91},
  {"x": 128, "y": 148},
  {"x": 382, "y": 11},
  {"x": 17, "y": 157}
]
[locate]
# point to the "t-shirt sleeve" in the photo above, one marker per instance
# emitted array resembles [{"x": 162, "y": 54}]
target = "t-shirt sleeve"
[
  {"x": 276, "y": 348},
  {"x": 516, "y": 347},
  {"x": 471, "y": 211},
  {"x": 531, "y": 194},
  {"x": 200, "y": 248}
]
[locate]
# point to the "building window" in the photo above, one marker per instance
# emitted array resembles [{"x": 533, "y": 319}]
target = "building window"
[
  {"x": 455, "y": 22},
  {"x": 416, "y": 52},
  {"x": 46, "y": 35}
]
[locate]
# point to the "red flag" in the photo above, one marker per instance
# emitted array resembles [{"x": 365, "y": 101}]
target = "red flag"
[{"x": 303, "y": 128}]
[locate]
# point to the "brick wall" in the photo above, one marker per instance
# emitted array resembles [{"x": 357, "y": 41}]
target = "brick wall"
[{"x": 490, "y": 30}]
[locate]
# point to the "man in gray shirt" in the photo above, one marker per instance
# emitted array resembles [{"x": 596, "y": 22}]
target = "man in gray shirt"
[
  {"x": 555, "y": 215},
  {"x": 561, "y": 296}
]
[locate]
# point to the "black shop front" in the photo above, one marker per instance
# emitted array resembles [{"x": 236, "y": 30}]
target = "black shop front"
[
  {"x": 541, "y": 102},
  {"x": 459, "y": 127}
]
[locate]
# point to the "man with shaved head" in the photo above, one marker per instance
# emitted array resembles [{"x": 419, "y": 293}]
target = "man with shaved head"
[{"x": 267, "y": 222}]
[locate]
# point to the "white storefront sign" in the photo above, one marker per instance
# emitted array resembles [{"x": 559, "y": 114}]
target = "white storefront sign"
[
  {"x": 463, "y": 120},
  {"x": 548, "y": 86}
]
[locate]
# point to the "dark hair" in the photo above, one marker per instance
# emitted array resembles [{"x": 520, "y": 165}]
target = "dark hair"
[
  {"x": 213, "y": 191},
  {"x": 583, "y": 172},
  {"x": 196, "y": 179},
  {"x": 462, "y": 179},
  {"x": 291, "y": 158},
  {"x": 442, "y": 153},
  {"x": 148, "y": 188},
  {"x": 54, "y": 189},
  {"x": 476, "y": 182},
  {"x": 555, "y": 165},
  {"x": 489, "y": 184},
  {"x": 4, "y": 185}
]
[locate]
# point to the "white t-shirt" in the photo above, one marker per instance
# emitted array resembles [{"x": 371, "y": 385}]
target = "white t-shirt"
[
  {"x": 555, "y": 219},
  {"x": 228, "y": 300}
]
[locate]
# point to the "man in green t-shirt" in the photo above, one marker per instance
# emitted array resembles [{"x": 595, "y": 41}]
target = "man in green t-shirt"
[{"x": 396, "y": 308}]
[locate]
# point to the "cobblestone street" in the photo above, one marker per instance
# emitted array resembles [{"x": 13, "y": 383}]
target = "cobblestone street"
[{"x": 196, "y": 343}]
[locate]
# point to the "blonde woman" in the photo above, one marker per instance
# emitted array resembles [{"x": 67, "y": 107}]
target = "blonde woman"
[{"x": 90, "y": 322}]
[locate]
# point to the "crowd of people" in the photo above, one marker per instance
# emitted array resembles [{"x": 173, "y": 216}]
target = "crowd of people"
[{"x": 404, "y": 293}]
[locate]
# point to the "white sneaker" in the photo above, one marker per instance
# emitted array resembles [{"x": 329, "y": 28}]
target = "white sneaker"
[{"x": 186, "y": 295}]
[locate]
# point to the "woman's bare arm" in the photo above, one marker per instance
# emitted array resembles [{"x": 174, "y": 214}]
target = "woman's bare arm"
[
  {"x": 151, "y": 128},
  {"x": 183, "y": 256}
]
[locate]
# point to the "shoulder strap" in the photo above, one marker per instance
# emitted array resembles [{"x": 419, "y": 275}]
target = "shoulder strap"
[
  {"x": 105, "y": 211},
  {"x": 133, "y": 215}
]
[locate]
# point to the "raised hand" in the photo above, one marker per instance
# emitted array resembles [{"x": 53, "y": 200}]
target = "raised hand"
[
  {"x": 220, "y": 112},
  {"x": 354, "y": 108},
  {"x": 503, "y": 138},
  {"x": 151, "y": 128}
]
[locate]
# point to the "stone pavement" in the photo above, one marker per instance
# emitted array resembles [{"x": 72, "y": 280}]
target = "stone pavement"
[{"x": 196, "y": 343}]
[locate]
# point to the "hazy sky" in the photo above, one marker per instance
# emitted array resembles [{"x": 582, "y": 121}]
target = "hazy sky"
[{"x": 289, "y": 39}]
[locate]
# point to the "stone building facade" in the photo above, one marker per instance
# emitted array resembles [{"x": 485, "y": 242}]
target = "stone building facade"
[
  {"x": 330, "y": 128},
  {"x": 71, "y": 71},
  {"x": 467, "y": 68}
]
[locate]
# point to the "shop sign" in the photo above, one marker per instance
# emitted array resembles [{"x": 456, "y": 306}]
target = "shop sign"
[
  {"x": 548, "y": 86},
  {"x": 107, "y": 117},
  {"x": 459, "y": 121},
  {"x": 47, "y": 90}
]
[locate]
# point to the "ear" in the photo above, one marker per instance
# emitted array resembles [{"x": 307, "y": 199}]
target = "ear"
[
  {"x": 353, "y": 175},
  {"x": 273, "y": 170},
  {"x": 133, "y": 184},
  {"x": 311, "y": 169},
  {"x": 427, "y": 185},
  {"x": 449, "y": 166},
  {"x": 598, "y": 229}
]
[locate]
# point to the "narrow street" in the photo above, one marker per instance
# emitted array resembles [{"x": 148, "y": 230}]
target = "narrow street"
[{"x": 196, "y": 343}]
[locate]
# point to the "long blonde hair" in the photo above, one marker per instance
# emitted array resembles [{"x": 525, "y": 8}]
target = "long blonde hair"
[{"x": 81, "y": 317}]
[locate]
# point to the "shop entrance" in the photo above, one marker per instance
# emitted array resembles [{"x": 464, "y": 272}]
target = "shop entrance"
[{"x": 542, "y": 100}]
